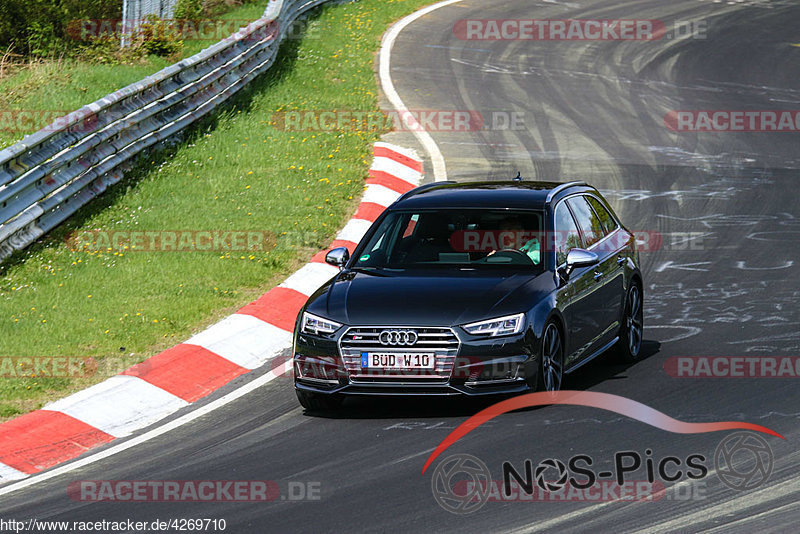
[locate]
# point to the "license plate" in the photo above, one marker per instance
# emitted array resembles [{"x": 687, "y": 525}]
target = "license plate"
[{"x": 395, "y": 360}]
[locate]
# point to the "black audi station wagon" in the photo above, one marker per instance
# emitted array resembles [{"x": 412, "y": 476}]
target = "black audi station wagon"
[{"x": 472, "y": 289}]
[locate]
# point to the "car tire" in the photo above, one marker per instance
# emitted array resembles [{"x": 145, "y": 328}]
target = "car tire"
[
  {"x": 319, "y": 402},
  {"x": 629, "y": 346},
  {"x": 551, "y": 362}
]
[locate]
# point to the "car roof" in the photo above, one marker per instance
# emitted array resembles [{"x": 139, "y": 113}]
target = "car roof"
[{"x": 514, "y": 194}]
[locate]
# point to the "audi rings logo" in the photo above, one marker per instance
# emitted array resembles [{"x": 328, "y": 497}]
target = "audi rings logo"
[
  {"x": 744, "y": 461},
  {"x": 455, "y": 469},
  {"x": 398, "y": 337}
]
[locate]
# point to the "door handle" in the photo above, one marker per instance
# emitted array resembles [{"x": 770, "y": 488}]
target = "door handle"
[
  {"x": 621, "y": 260},
  {"x": 598, "y": 275}
]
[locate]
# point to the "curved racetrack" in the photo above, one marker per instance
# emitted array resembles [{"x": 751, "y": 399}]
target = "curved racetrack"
[{"x": 723, "y": 283}]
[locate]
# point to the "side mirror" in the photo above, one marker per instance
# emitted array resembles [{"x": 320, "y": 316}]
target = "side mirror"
[
  {"x": 337, "y": 257},
  {"x": 577, "y": 258}
]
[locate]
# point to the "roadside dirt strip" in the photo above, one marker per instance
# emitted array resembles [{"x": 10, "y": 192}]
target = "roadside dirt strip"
[{"x": 249, "y": 339}]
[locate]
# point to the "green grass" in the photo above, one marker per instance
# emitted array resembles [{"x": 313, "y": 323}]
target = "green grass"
[
  {"x": 57, "y": 87},
  {"x": 234, "y": 172}
]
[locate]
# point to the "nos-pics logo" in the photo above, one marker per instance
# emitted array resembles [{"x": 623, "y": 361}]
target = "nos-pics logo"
[{"x": 462, "y": 483}]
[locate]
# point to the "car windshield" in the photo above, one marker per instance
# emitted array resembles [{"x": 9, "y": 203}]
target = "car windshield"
[{"x": 466, "y": 238}]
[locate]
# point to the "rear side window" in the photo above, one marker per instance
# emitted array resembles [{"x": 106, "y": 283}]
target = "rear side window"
[
  {"x": 609, "y": 224},
  {"x": 566, "y": 234},
  {"x": 589, "y": 223}
]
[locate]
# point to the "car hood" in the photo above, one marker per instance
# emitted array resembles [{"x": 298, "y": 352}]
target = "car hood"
[{"x": 428, "y": 298}]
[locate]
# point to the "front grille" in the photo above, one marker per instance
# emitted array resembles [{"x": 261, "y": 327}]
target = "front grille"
[{"x": 442, "y": 342}]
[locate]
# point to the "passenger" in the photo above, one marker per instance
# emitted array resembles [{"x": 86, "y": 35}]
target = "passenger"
[{"x": 531, "y": 248}]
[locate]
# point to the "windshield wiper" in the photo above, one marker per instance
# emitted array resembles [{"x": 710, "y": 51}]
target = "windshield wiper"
[{"x": 368, "y": 270}]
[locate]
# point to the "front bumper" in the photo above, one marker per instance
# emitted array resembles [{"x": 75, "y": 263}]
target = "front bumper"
[{"x": 471, "y": 366}]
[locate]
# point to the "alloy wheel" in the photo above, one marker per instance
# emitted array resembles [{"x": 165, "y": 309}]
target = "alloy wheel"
[
  {"x": 634, "y": 321},
  {"x": 552, "y": 361}
]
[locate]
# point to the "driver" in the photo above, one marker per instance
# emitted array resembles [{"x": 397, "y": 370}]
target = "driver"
[{"x": 531, "y": 248}]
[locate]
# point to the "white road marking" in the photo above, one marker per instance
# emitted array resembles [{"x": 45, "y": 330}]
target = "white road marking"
[
  {"x": 390, "y": 166},
  {"x": 9, "y": 473},
  {"x": 749, "y": 500},
  {"x": 743, "y": 266},
  {"x": 793, "y": 507},
  {"x": 243, "y": 339},
  {"x": 354, "y": 230},
  {"x": 731, "y": 506},
  {"x": 679, "y": 238},
  {"x": 437, "y": 159},
  {"x": 410, "y": 153},
  {"x": 310, "y": 277},
  {"x": 682, "y": 266},
  {"x": 119, "y": 405},
  {"x": 147, "y": 436},
  {"x": 379, "y": 194}
]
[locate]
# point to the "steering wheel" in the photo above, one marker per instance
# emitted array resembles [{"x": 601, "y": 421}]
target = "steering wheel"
[{"x": 513, "y": 250}]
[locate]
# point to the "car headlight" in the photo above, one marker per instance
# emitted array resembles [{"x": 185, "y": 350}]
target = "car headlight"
[
  {"x": 502, "y": 326},
  {"x": 313, "y": 324}
]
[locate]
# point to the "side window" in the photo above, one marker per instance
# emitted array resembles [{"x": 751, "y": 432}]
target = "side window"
[
  {"x": 379, "y": 248},
  {"x": 609, "y": 224},
  {"x": 566, "y": 235},
  {"x": 588, "y": 222}
]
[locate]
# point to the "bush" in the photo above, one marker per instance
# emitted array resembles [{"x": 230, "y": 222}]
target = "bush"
[
  {"x": 189, "y": 10},
  {"x": 106, "y": 50},
  {"x": 199, "y": 9},
  {"x": 158, "y": 37},
  {"x": 39, "y": 27}
]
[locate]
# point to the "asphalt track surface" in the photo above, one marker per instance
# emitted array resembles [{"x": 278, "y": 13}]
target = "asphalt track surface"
[{"x": 594, "y": 111}]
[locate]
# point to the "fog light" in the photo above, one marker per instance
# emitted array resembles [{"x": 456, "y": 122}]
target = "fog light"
[
  {"x": 319, "y": 368},
  {"x": 493, "y": 372}
]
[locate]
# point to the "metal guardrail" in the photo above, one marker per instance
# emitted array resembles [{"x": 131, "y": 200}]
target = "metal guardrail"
[{"x": 50, "y": 174}]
